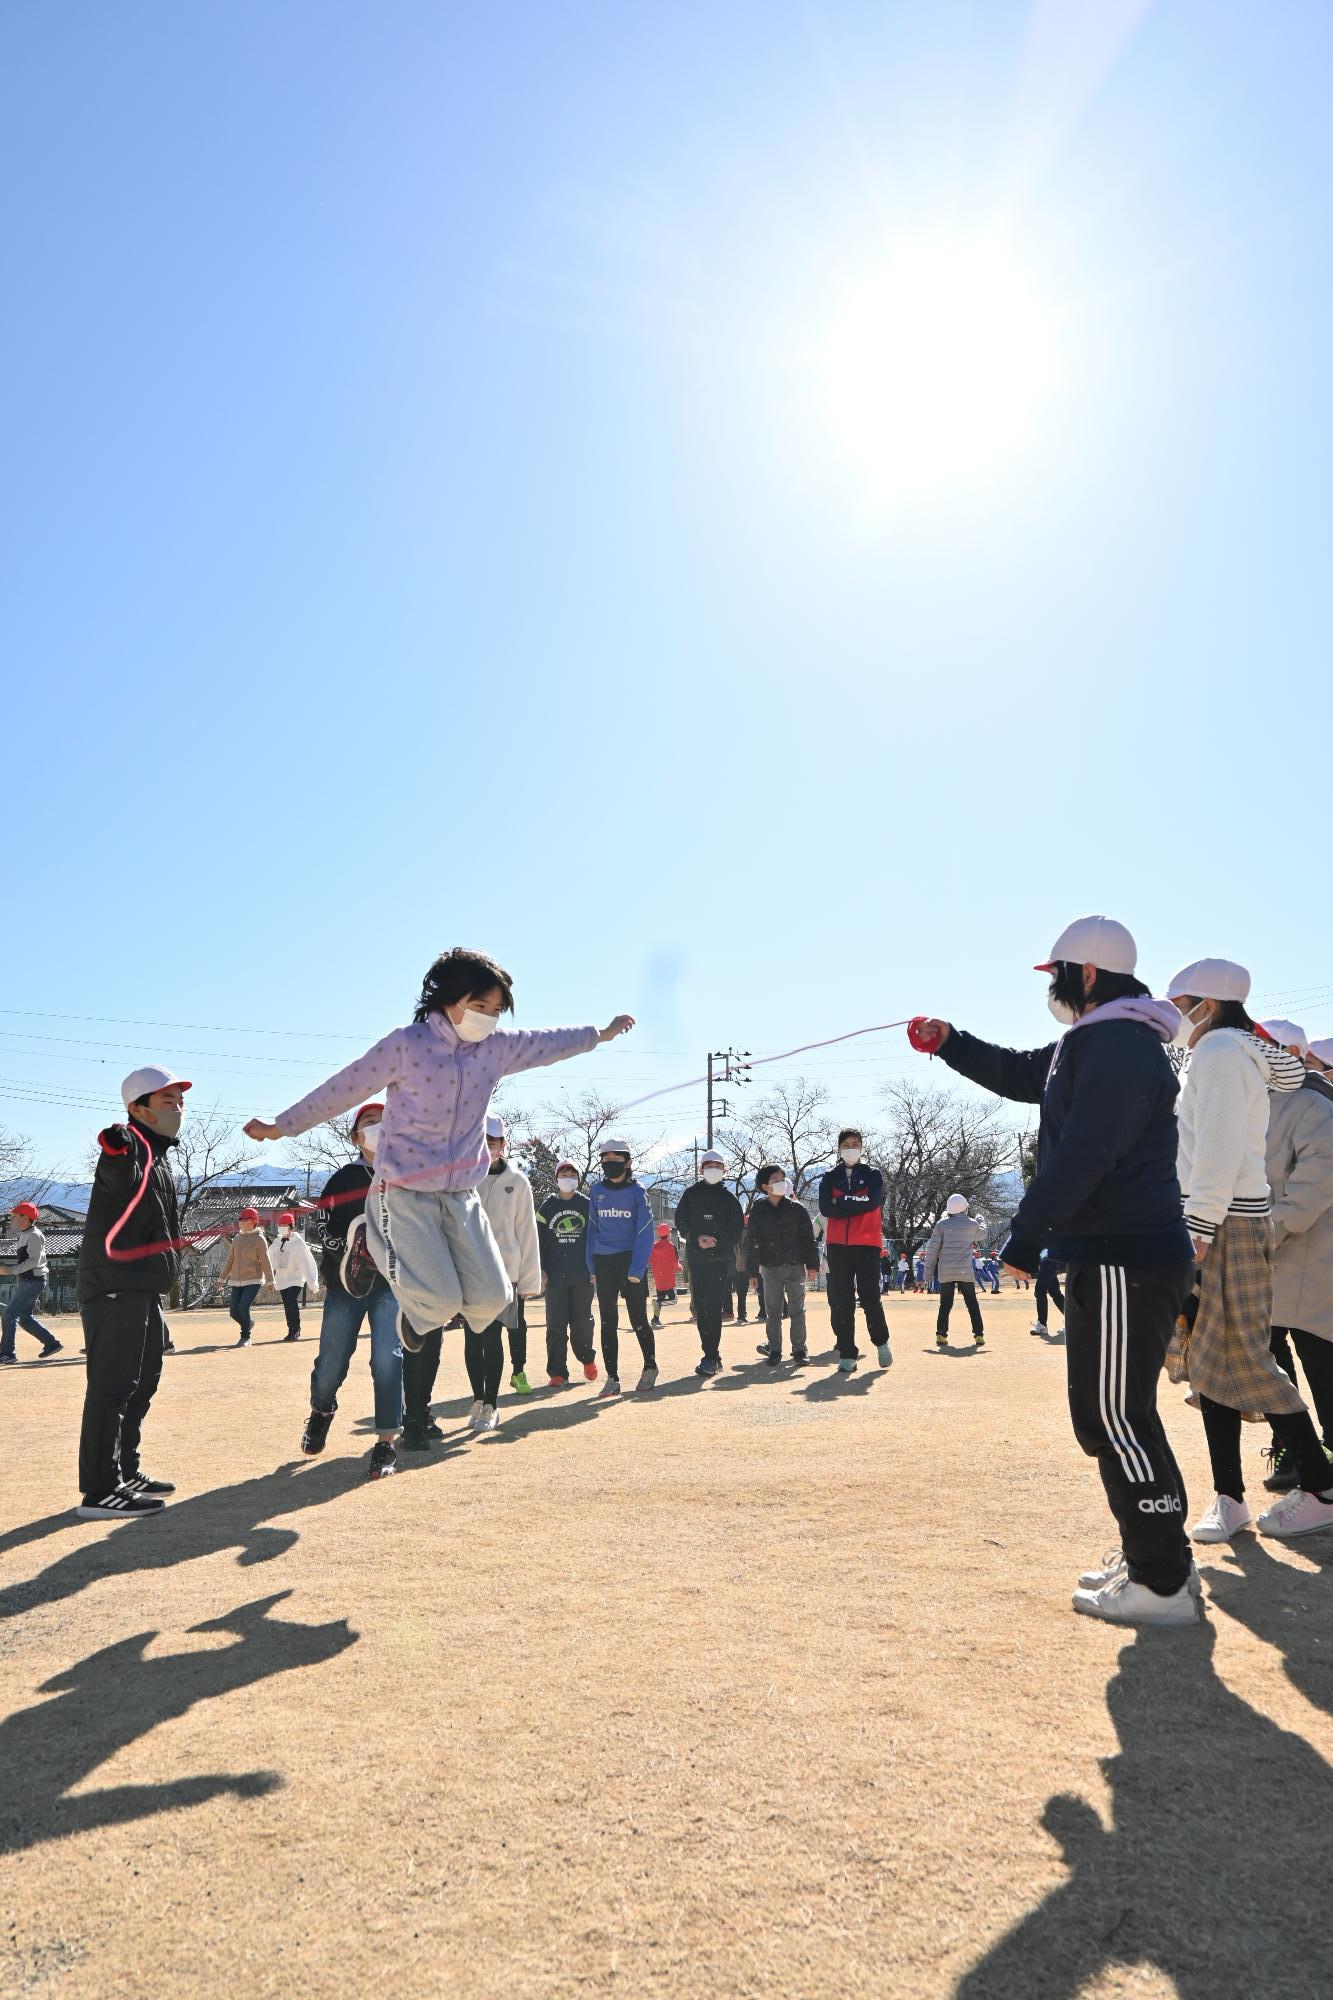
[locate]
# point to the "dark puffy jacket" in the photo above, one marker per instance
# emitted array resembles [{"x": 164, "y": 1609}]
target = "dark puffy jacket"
[
  {"x": 853, "y": 1200},
  {"x": 343, "y": 1198},
  {"x": 132, "y": 1206},
  {"x": 1105, "y": 1190},
  {"x": 710, "y": 1211},
  {"x": 780, "y": 1233}
]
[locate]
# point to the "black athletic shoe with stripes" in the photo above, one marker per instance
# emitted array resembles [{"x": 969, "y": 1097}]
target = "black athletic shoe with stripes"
[
  {"x": 118, "y": 1506},
  {"x": 359, "y": 1269},
  {"x": 139, "y": 1482}
]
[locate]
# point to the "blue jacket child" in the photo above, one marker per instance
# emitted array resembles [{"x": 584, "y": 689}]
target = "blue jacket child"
[{"x": 620, "y": 1219}]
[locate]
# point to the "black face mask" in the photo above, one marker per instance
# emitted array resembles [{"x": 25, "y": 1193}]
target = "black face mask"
[{"x": 615, "y": 1170}]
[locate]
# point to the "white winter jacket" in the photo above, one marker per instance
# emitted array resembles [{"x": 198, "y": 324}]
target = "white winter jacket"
[
  {"x": 1223, "y": 1113},
  {"x": 511, "y": 1212},
  {"x": 293, "y": 1263}
]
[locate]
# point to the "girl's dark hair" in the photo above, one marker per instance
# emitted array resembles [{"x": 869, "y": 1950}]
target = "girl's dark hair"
[
  {"x": 1067, "y": 985},
  {"x": 765, "y": 1175},
  {"x": 1230, "y": 1014},
  {"x": 851, "y": 1132},
  {"x": 462, "y": 975}
]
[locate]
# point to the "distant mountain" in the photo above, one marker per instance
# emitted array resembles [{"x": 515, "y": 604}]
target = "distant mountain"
[{"x": 75, "y": 1194}]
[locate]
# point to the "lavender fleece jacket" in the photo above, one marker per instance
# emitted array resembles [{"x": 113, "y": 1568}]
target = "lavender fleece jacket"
[{"x": 436, "y": 1091}]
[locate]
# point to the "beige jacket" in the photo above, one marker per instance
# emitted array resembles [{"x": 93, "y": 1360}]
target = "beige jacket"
[{"x": 247, "y": 1261}]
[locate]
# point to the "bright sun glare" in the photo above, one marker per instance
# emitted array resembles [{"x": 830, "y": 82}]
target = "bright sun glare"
[{"x": 932, "y": 375}]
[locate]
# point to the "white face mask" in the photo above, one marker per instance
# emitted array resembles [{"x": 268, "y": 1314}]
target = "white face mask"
[
  {"x": 712, "y": 1175},
  {"x": 566, "y": 1183},
  {"x": 850, "y": 1155},
  {"x": 476, "y": 1026},
  {"x": 1188, "y": 1027},
  {"x": 284, "y": 1232},
  {"x": 777, "y": 1188},
  {"x": 1062, "y": 1011},
  {"x": 370, "y": 1138}
]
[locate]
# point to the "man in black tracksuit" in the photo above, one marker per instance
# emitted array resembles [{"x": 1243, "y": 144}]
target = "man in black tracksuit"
[
  {"x": 129, "y": 1258},
  {"x": 562, "y": 1239},
  {"x": 710, "y": 1220},
  {"x": 1105, "y": 1202}
]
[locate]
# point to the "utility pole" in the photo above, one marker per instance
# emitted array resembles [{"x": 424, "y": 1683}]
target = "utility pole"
[{"x": 735, "y": 1069}]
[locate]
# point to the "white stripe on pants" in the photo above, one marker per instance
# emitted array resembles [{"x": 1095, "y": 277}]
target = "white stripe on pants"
[
  {"x": 1111, "y": 1378},
  {"x": 439, "y": 1255}
]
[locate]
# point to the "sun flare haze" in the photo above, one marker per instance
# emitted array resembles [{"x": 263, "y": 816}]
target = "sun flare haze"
[{"x": 931, "y": 371}]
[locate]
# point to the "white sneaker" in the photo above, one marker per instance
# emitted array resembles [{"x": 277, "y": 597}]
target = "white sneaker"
[
  {"x": 1036, "y": 1327},
  {"x": 648, "y": 1380},
  {"x": 1121, "y": 1602},
  {"x": 490, "y": 1418},
  {"x": 1298, "y": 1513},
  {"x": 1224, "y": 1519},
  {"x": 1114, "y": 1565},
  {"x": 474, "y": 1415},
  {"x": 885, "y": 1353}
]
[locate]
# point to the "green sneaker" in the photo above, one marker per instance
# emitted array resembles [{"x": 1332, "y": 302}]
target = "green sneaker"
[{"x": 520, "y": 1384}]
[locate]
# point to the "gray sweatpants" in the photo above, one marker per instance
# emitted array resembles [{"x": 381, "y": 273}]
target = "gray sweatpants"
[
  {"x": 439, "y": 1256},
  {"x": 784, "y": 1284}
]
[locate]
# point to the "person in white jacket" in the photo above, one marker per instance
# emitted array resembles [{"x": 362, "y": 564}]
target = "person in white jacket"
[
  {"x": 1223, "y": 1125},
  {"x": 506, "y": 1196},
  {"x": 293, "y": 1266}
]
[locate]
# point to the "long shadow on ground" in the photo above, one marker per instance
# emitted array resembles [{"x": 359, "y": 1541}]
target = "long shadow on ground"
[
  {"x": 117, "y": 1695},
  {"x": 1214, "y": 1867},
  {"x": 204, "y": 1525}
]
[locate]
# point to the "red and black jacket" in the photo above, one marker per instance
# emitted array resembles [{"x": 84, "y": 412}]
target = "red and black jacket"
[
  {"x": 853, "y": 1200},
  {"x": 132, "y": 1209}
]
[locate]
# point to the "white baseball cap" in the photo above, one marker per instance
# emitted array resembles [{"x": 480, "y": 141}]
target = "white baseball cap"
[
  {"x": 495, "y": 1127},
  {"x": 1321, "y": 1048},
  {"x": 711, "y": 1158},
  {"x": 1286, "y": 1034},
  {"x": 957, "y": 1203},
  {"x": 1211, "y": 979},
  {"x": 1098, "y": 941},
  {"x": 613, "y": 1145},
  {"x": 143, "y": 1082}
]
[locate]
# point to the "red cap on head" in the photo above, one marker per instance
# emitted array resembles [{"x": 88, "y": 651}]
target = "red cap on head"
[
  {"x": 362, "y": 1112},
  {"x": 248, "y": 1215},
  {"x": 566, "y": 1167},
  {"x": 664, "y": 1229},
  {"x": 27, "y": 1209},
  {"x": 286, "y": 1221}
]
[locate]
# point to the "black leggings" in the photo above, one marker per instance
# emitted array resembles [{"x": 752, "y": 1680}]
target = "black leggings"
[
  {"x": 484, "y": 1359},
  {"x": 613, "y": 1284},
  {"x": 1298, "y": 1434},
  {"x": 419, "y": 1372},
  {"x": 969, "y": 1297},
  {"x": 518, "y": 1341},
  {"x": 1316, "y": 1358}
]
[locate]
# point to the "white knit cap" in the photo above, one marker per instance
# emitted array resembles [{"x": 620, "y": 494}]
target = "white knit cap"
[
  {"x": 495, "y": 1127},
  {"x": 1211, "y": 979},
  {"x": 1287, "y": 1035},
  {"x": 1098, "y": 941},
  {"x": 711, "y": 1159},
  {"x": 957, "y": 1203},
  {"x": 613, "y": 1145},
  {"x": 1322, "y": 1048}
]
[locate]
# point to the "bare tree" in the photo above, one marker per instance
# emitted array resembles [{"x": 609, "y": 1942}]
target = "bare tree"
[
  {"x": 935, "y": 1144},
  {"x": 210, "y": 1149},
  {"x": 319, "y": 1153},
  {"x": 18, "y": 1164},
  {"x": 794, "y": 1130},
  {"x": 573, "y": 1128}
]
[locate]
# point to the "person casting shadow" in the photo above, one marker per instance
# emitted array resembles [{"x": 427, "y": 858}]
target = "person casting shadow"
[
  {"x": 1285, "y": 1604},
  {"x": 120, "y": 1694},
  {"x": 1192, "y": 1875}
]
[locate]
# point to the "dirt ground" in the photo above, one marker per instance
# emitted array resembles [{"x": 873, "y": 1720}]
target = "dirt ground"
[{"x": 763, "y": 1686}]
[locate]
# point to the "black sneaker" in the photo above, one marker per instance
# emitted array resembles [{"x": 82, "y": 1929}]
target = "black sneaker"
[
  {"x": 118, "y": 1506},
  {"x": 799, "y": 1357},
  {"x": 244, "y": 1341},
  {"x": 383, "y": 1460},
  {"x": 1283, "y": 1476},
  {"x": 710, "y": 1365},
  {"x": 771, "y": 1360},
  {"x": 409, "y": 1339},
  {"x": 434, "y": 1432},
  {"x": 358, "y": 1269},
  {"x": 139, "y": 1482},
  {"x": 414, "y": 1438},
  {"x": 315, "y": 1432},
  {"x": 168, "y": 1345},
  {"x": 291, "y": 1336},
  {"x": 56, "y": 1347}
]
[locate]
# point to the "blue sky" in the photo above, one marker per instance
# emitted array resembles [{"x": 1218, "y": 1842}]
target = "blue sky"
[{"x": 438, "y": 510}]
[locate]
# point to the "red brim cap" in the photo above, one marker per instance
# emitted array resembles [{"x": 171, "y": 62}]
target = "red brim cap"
[
  {"x": 566, "y": 1166},
  {"x": 362, "y": 1112},
  {"x": 1043, "y": 968}
]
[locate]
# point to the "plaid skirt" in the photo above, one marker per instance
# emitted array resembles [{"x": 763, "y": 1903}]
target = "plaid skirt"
[{"x": 1230, "y": 1360}]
